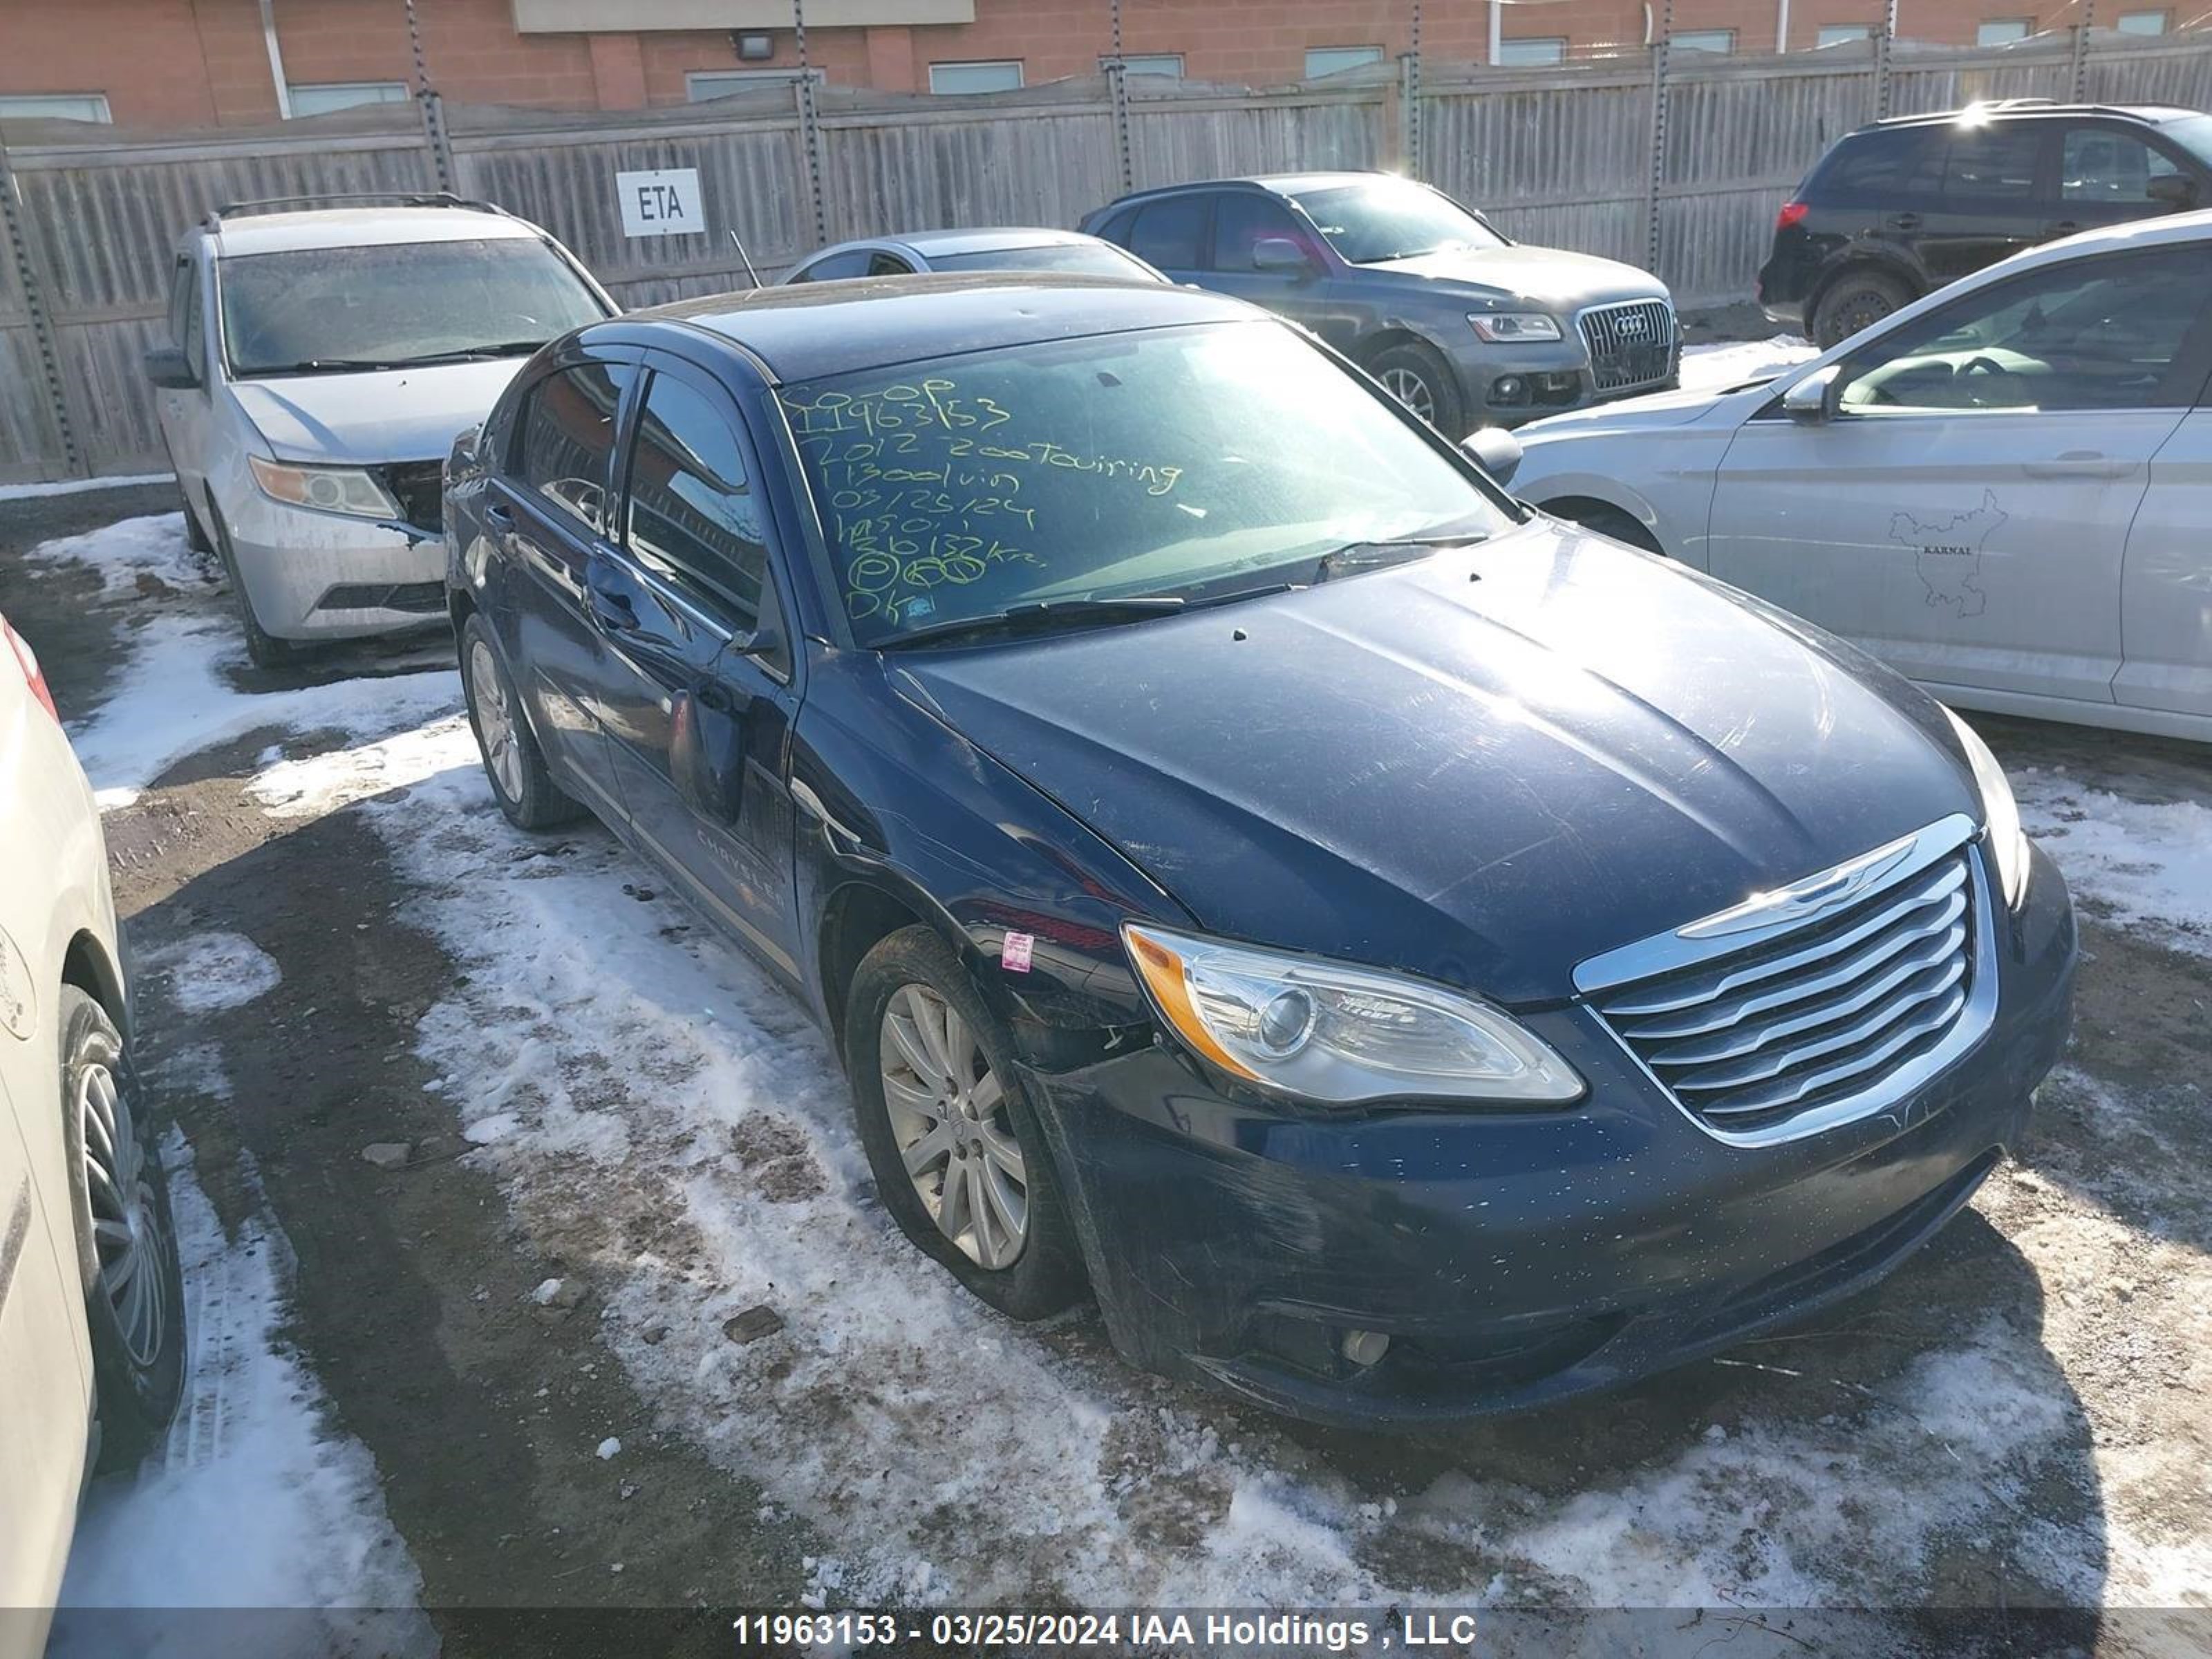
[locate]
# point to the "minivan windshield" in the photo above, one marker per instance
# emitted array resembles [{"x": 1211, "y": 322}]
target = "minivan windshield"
[
  {"x": 396, "y": 305},
  {"x": 1165, "y": 465},
  {"x": 1391, "y": 219}
]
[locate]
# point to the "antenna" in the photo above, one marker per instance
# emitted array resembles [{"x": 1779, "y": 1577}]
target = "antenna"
[{"x": 746, "y": 257}]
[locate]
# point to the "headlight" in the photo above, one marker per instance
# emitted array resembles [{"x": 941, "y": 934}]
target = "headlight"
[
  {"x": 2008, "y": 841},
  {"x": 1506, "y": 327},
  {"x": 1336, "y": 1034},
  {"x": 326, "y": 489}
]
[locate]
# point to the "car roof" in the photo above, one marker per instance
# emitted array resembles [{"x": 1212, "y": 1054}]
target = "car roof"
[
  {"x": 1277, "y": 184},
  {"x": 2031, "y": 109},
  {"x": 330, "y": 228},
  {"x": 805, "y": 331},
  {"x": 995, "y": 240}
]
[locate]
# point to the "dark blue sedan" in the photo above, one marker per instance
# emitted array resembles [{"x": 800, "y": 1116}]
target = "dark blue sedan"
[{"x": 1406, "y": 957}]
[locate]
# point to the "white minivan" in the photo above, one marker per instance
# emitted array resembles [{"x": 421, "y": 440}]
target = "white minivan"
[
  {"x": 2004, "y": 489},
  {"x": 324, "y": 354}
]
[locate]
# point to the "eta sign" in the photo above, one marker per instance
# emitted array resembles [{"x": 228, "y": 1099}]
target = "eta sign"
[{"x": 662, "y": 203}]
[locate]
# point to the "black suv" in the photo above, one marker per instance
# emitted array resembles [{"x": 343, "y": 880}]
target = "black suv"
[{"x": 1903, "y": 206}]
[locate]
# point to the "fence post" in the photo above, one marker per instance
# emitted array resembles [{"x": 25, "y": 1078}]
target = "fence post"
[
  {"x": 809, "y": 127},
  {"x": 1117, "y": 88},
  {"x": 1661, "y": 52},
  {"x": 1882, "y": 46},
  {"x": 1409, "y": 103},
  {"x": 17, "y": 231},
  {"x": 433, "y": 108}
]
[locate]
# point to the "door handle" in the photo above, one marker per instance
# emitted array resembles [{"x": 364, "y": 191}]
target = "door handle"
[
  {"x": 1905, "y": 222},
  {"x": 2064, "y": 227},
  {"x": 611, "y": 606},
  {"x": 2080, "y": 463},
  {"x": 499, "y": 518}
]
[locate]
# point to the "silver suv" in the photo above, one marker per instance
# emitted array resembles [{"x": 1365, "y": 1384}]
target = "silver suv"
[
  {"x": 1465, "y": 326},
  {"x": 322, "y": 355}
]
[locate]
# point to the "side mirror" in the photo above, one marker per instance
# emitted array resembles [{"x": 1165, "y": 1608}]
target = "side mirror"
[
  {"x": 1812, "y": 401},
  {"x": 2173, "y": 191},
  {"x": 1281, "y": 256},
  {"x": 166, "y": 367},
  {"x": 1496, "y": 451}
]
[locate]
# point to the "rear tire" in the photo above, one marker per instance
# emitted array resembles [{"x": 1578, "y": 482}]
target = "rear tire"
[
  {"x": 134, "y": 1294},
  {"x": 513, "y": 764},
  {"x": 1418, "y": 376},
  {"x": 961, "y": 1118},
  {"x": 1856, "y": 300}
]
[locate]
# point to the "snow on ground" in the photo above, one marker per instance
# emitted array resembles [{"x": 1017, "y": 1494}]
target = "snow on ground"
[
  {"x": 663, "y": 1116},
  {"x": 2148, "y": 862},
  {"x": 1732, "y": 363},
  {"x": 254, "y": 1502},
  {"x": 208, "y": 973},
  {"x": 23, "y": 492},
  {"x": 125, "y": 551}
]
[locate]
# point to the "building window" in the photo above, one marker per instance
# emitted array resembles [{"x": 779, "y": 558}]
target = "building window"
[
  {"x": 54, "y": 106},
  {"x": 1843, "y": 34},
  {"x": 1334, "y": 60},
  {"x": 1520, "y": 54},
  {"x": 1169, "y": 63},
  {"x": 1721, "y": 41},
  {"x": 701, "y": 84},
  {"x": 2002, "y": 31},
  {"x": 321, "y": 99},
  {"x": 2142, "y": 22},
  {"x": 1000, "y": 76}
]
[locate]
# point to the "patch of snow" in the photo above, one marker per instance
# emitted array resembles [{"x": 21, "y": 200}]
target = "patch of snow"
[
  {"x": 546, "y": 1290},
  {"x": 123, "y": 551},
  {"x": 253, "y": 1503},
  {"x": 1724, "y": 363},
  {"x": 24, "y": 492},
  {"x": 608, "y": 1449},
  {"x": 2150, "y": 863},
  {"x": 210, "y": 972},
  {"x": 316, "y": 784}
]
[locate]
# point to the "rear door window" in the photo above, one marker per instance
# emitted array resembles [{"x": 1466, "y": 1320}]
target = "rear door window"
[
  {"x": 837, "y": 266},
  {"x": 692, "y": 513},
  {"x": 1993, "y": 164},
  {"x": 1167, "y": 233},
  {"x": 564, "y": 435}
]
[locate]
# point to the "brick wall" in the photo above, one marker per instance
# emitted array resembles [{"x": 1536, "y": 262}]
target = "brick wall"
[{"x": 196, "y": 63}]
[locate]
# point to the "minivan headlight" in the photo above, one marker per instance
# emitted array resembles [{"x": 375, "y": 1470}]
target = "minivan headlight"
[
  {"x": 1339, "y": 1035},
  {"x": 325, "y": 489},
  {"x": 2000, "y": 813},
  {"x": 1506, "y": 327}
]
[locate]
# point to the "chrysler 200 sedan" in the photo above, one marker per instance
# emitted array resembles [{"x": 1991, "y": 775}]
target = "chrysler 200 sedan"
[{"x": 1409, "y": 957}]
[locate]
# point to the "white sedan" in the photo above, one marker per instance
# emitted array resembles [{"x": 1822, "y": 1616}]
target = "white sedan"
[
  {"x": 92, "y": 1340},
  {"x": 2004, "y": 490}
]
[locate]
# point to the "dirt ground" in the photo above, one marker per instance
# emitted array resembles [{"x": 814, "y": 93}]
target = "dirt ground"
[{"x": 2055, "y": 1455}]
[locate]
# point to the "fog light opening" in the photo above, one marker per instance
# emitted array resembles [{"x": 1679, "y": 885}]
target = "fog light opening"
[
  {"x": 1508, "y": 389},
  {"x": 1364, "y": 1348}
]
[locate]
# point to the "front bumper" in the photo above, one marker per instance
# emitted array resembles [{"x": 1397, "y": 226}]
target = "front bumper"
[
  {"x": 325, "y": 576},
  {"x": 1513, "y": 1259}
]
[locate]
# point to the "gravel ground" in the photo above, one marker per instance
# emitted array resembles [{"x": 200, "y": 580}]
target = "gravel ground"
[{"x": 617, "y": 1136}]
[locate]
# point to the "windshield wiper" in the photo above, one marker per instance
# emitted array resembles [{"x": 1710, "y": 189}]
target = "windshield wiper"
[
  {"x": 1039, "y": 616},
  {"x": 321, "y": 366},
  {"x": 1355, "y": 556},
  {"x": 474, "y": 354}
]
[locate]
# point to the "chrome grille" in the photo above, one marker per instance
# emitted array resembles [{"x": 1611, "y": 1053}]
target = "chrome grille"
[
  {"x": 1796, "y": 1012},
  {"x": 1630, "y": 344}
]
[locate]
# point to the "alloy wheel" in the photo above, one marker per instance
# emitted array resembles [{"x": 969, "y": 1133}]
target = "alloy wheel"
[
  {"x": 126, "y": 1225},
  {"x": 1410, "y": 390},
  {"x": 495, "y": 720},
  {"x": 948, "y": 1114}
]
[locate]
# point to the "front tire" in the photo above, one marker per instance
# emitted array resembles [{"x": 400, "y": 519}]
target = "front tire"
[
  {"x": 1856, "y": 300},
  {"x": 1418, "y": 377},
  {"x": 263, "y": 648},
  {"x": 134, "y": 1295},
  {"x": 959, "y": 1158},
  {"x": 521, "y": 781}
]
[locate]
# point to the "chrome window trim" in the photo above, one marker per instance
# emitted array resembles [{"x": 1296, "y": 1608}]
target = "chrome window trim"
[{"x": 1797, "y": 906}]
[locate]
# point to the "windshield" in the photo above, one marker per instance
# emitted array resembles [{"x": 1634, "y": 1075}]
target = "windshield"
[
  {"x": 1392, "y": 219},
  {"x": 2193, "y": 133},
  {"x": 1184, "y": 462},
  {"x": 394, "y": 304},
  {"x": 1085, "y": 259}
]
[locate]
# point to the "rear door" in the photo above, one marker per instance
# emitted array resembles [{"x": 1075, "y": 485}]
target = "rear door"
[
  {"x": 1171, "y": 235},
  {"x": 1964, "y": 516},
  {"x": 1993, "y": 200},
  {"x": 699, "y": 697},
  {"x": 548, "y": 512}
]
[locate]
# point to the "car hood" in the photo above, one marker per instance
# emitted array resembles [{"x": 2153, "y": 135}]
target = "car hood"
[
  {"x": 1552, "y": 275},
  {"x": 395, "y": 414},
  {"x": 1483, "y": 768},
  {"x": 1660, "y": 410}
]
